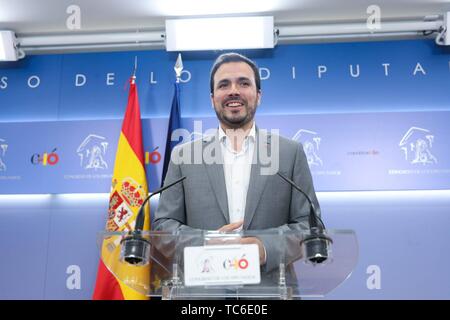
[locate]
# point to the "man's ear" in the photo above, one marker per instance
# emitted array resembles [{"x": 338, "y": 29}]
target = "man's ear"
[
  {"x": 212, "y": 99},
  {"x": 258, "y": 101}
]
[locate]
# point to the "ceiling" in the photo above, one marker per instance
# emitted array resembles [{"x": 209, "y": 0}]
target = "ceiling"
[{"x": 38, "y": 18}]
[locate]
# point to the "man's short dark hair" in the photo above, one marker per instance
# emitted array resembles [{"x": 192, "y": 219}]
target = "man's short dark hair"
[{"x": 234, "y": 57}]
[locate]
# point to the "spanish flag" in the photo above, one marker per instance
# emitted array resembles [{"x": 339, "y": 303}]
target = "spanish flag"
[{"x": 118, "y": 280}]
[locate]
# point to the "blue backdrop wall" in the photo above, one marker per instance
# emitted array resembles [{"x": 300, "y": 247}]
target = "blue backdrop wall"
[{"x": 373, "y": 115}]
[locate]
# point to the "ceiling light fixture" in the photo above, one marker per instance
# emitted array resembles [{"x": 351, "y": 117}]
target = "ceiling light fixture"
[
  {"x": 8, "y": 47},
  {"x": 219, "y": 33}
]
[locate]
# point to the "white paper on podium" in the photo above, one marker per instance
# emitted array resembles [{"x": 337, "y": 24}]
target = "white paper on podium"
[{"x": 221, "y": 265}]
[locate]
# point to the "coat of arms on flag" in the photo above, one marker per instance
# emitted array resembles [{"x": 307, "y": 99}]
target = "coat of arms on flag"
[{"x": 127, "y": 195}]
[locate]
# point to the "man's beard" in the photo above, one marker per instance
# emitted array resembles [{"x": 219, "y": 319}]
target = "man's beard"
[{"x": 237, "y": 121}]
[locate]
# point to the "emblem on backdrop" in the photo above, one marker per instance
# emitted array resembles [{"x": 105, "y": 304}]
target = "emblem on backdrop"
[
  {"x": 417, "y": 144},
  {"x": 3, "y": 148},
  {"x": 311, "y": 144},
  {"x": 92, "y": 152}
]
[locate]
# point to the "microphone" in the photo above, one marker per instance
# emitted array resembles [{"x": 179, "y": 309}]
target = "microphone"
[
  {"x": 316, "y": 243},
  {"x": 134, "y": 248}
]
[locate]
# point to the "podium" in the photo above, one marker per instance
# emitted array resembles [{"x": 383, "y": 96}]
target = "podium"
[{"x": 211, "y": 265}]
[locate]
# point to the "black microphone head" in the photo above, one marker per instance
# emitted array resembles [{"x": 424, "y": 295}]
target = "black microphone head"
[
  {"x": 316, "y": 248},
  {"x": 135, "y": 250}
]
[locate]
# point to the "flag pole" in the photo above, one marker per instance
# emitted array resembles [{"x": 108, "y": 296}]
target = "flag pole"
[
  {"x": 133, "y": 77},
  {"x": 174, "y": 118}
]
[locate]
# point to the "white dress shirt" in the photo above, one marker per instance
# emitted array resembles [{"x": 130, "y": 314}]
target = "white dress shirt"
[{"x": 237, "y": 167}]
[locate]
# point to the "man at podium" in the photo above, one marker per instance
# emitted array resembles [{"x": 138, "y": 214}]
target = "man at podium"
[{"x": 234, "y": 185}]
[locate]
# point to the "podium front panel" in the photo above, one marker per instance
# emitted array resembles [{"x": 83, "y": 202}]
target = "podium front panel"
[{"x": 213, "y": 265}]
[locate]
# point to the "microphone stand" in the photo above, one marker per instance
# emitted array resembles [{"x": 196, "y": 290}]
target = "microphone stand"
[{"x": 316, "y": 243}]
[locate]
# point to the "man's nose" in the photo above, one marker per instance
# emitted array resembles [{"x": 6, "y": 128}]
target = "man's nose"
[{"x": 234, "y": 89}]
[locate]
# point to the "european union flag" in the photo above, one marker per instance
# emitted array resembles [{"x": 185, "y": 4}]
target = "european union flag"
[{"x": 174, "y": 123}]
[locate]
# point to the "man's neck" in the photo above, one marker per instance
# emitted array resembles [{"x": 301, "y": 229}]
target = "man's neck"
[{"x": 237, "y": 135}]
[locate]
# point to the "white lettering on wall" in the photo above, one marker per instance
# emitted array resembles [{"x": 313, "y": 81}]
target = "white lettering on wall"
[
  {"x": 152, "y": 81},
  {"x": 110, "y": 79},
  {"x": 320, "y": 70},
  {"x": 34, "y": 82},
  {"x": 185, "y": 79},
  {"x": 386, "y": 65},
  {"x": 419, "y": 68},
  {"x": 352, "y": 73},
  {"x": 266, "y": 75},
  {"x": 80, "y": 80},
  {"x": 3, "y": 83}
]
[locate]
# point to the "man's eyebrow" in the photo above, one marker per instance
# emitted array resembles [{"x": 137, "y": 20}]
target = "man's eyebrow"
[
  {"x": 226, "y": 80},
  {"x": 223, "y": 80}
]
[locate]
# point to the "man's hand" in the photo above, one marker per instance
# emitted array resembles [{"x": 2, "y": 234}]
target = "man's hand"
[
  {"x": 231, "y": 227},
  {"x": 247, "y": 240},
  {"x": 224, "y": 229}
]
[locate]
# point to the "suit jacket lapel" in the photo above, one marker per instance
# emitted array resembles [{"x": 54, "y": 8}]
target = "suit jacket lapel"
[
  {"x": 257, "y": 181},
  {"x": 217, "y": 177}
]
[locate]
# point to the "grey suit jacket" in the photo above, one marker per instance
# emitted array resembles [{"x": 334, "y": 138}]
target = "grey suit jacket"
[{"x": 200, "y": 201}]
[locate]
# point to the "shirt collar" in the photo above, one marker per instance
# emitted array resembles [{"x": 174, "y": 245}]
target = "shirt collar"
[
  {"x": 250, "y": 138},
  {"x": 251, "y": 134}
]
